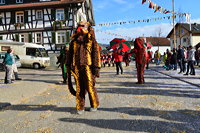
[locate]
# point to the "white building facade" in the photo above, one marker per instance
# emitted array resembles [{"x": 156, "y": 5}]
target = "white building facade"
[{"x": 46, "y": 22}]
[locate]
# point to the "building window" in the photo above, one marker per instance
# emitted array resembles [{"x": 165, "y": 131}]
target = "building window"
[
  {"x": 60, "y": 14},
  {"x": 38, "y": 37},
  {"x": 184, "y": 40},
  {"x": 39, "y": 14},
  {"x": 2, "y": 1},
  {"x": 20, "y": 17},
  {"x": 182, "y": 31},
  {"x": 1, "y": 37},
  {"x": 4, "y": 48},
  {"x": 61, "y": 37},
  {"x": 22, "y": 38},
  {"x": 19, "y": 1}
]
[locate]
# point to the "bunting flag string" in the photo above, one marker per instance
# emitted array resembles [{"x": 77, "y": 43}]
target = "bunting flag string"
[
  {"x": 135, "y": 21},
  {"x": 113, "y": 34},
  {"x": 156, "y": 7}
]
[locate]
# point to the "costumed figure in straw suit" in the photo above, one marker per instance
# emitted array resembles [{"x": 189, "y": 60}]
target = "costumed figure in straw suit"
[
  {"x": 84, "y": 64},
  {"x": 140, "y": 56}
]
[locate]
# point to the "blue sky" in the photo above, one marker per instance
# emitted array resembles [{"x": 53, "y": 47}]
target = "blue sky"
[{"x": 106, "y": 11}]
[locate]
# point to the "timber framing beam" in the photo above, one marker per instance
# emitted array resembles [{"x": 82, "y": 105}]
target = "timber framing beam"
[{"x": 33, "y": 30}]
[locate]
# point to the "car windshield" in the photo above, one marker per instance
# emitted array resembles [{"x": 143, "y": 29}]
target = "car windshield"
[
  {"x": 43, "y": 52},
  {"x": 16, "y": 57}
]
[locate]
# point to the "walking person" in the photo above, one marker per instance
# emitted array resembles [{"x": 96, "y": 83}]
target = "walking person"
[
  {"x": 14, "y": 67},
  {"x": 190, "y": 59},
  {"x": 8, "y": 62},
  {"x": 118, "y": 55},
  {"x": 84, "y": 63}
]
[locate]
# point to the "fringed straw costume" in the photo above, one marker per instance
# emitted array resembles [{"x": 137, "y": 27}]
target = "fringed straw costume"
[
  {"x": 84, "y": 64},
  {"x": 140, "y": 55}
]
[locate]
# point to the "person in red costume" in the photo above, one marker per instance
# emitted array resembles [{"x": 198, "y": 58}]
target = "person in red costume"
[
  {"x": 140, "y": 56},
  {"x": 118, "y": 56}
]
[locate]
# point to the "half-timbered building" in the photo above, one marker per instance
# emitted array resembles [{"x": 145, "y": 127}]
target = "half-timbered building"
[{"x": 46, "y": 22}]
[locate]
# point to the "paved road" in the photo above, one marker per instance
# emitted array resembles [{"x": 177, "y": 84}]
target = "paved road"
[{"x": 163, "y": 104}]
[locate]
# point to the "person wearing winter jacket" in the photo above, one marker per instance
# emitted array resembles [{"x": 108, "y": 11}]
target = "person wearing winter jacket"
[
  {"x": 190, "y": 60},
  {"x": 118, "y": 56}
]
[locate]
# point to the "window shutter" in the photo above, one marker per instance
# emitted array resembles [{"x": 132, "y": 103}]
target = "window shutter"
[
  {"x": 53, "y": 37},
  {"x": 1, "y": 21},
  {"x": 66, "y": 13},
  {"x": 12, "y": 20},
  {"x": 17, "y": 38},
  {"x": 26, "y": 17},
  {"x": 53, "y": 14},
  {"x": 30, "y": 38},
  {"x": 67, "y": 37}
]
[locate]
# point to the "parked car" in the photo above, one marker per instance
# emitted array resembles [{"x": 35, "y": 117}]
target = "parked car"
[
  {"x": 31, "y": 55},
  {"x": 2, "y": 55}
]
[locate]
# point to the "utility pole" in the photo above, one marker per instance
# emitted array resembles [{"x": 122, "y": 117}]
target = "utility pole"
[{"x": 173, "y": 16}]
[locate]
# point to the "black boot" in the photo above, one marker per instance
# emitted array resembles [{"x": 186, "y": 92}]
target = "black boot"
[
  {"x": 8, "y": 82},
  {"x": 16, "y": 76}
]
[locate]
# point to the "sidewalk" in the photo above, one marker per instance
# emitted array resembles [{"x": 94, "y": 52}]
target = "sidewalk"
[{"x": 191, "y": 79}]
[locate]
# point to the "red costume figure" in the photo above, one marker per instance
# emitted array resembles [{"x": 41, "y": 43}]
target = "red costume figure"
[
  {"x": 109, "y": 59},
  {"x": 140, "y": 56},
  {"x": 104, "y": 60},
  {"x": 127, "y": 58},
  {"x": 84, "y": 63},
  {"x": 113, "y": 59}
]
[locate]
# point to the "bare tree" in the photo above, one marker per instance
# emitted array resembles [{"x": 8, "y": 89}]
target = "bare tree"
[{"x": 156, "y": 39}]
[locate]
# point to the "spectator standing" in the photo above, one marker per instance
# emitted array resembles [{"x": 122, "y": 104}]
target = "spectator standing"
[
  {"x": 157, "y": 57},
  {"x": 149, "y": 57},
  {"x": 180, "y": 58},
  {"x": 190, "y": 59},
  {"x": 8, "y": 62},
  {"x": 174, "y": 60},
  {"x": 14, "y": 67},
  {"x": 197, "y": 58},
  {"x": 168, "y": 61},
  {"x": 164, "y": 59}
]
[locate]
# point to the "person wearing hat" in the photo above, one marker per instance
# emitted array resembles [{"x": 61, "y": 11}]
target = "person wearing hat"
[{"x": 84, "y": 64}]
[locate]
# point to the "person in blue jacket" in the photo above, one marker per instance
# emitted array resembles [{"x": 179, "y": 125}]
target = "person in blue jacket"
[{"x": 8, "y": 62}]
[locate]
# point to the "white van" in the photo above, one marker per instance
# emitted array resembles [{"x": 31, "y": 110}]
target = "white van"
[{"x": 30, "y": 54}]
